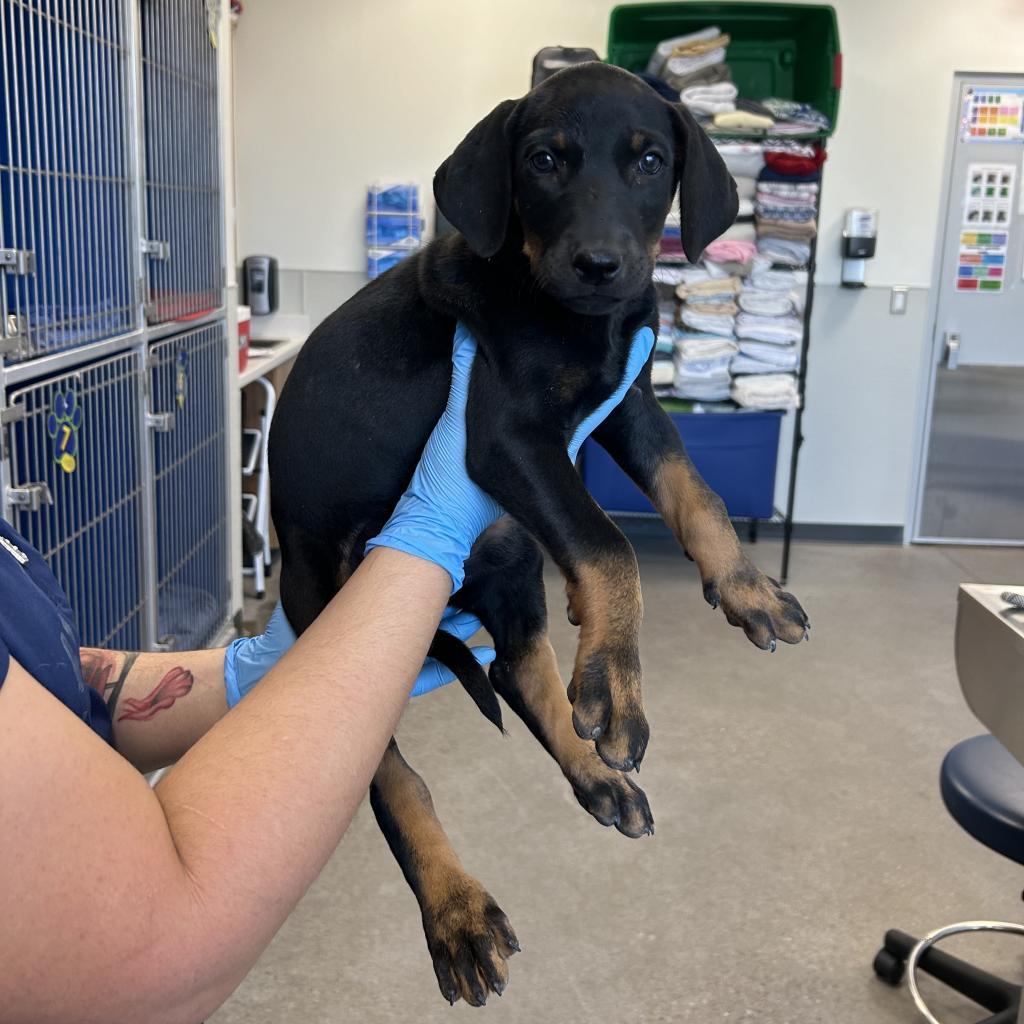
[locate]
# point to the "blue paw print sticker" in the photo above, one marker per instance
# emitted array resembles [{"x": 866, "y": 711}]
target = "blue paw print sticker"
[
  {"x": 181, "y": 378},
  {"x": 63, "y": 425}
]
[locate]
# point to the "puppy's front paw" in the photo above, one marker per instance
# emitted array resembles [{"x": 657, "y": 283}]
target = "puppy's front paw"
[
  {"x": 758, "y": 604},
  {"x": 610, "y": 797},
  {"x": 469, "y": 938},
  {"x": 605, "y": 697}
]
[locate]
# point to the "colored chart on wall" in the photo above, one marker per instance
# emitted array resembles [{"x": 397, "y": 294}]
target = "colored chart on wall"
[
  {"x": 988, "y": 195},
  {"x": 993, "y": 114},
  {"x": 981, "y": 261}
]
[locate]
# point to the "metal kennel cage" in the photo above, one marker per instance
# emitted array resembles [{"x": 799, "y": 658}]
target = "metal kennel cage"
[
  {"x": 76, "y": 491},
  {"x": 182, "y": 171},
  {"x": 187, "y": 386},
  {"x": 67, "y": 177},
  {"x": 113, "y": 338}
]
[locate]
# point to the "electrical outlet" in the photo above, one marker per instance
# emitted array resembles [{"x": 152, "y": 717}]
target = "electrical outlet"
[{"x": 898, "y": 300}]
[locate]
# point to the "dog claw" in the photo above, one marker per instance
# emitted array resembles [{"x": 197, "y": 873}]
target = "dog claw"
[{"x": 772, "y": 645}]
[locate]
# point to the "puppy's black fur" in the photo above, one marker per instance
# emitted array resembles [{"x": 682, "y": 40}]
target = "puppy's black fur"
[
  {"x": 551, "y": 273},
  {"x": 559, "y": 199}
]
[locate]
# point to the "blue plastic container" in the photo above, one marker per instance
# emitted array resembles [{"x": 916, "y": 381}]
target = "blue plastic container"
[
  {"x": 736, "y": 454},
  {"x": 378, "y": 261}
]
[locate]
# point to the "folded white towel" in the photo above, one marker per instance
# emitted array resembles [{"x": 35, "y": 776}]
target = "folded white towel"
[
  {"x": 708, "y": 322},
  {"x": 772, "y": 280},
  {"x": 764, "y": 303},
  {"x": 780, "y": 329},
  {"x": 782, "y": 357},
  {"x": 703, "y": 346},
  {"x": 709, "y": 100},
  {"x": 663, "y": 50},
  {"x": 663, "y": 372},
  {"x": 765, "y": 391},
  {"x": 715, "y": 92},
  {"x": 743, "y": 159},
  {"x": 742, "y": 364},
  {"x": 707, "y": 389},
  {"x": 784, "y": 251},
  {"x": 676, "y": 66}
]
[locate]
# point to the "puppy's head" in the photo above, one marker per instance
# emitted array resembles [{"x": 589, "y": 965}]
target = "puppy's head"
[{"x": 586, "y": 163}]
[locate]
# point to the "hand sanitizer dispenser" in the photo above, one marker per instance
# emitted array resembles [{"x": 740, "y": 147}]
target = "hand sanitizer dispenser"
[{"x": 859, "y": 231}]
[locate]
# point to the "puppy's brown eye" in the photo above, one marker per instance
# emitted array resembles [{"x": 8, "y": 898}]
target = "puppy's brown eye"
[
  {"x": 651, "y": 163},
  {"x": 543, "y": 162}
]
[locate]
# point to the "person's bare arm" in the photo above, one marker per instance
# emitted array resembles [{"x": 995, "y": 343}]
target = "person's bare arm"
[
  {"x": 173, "y": 893},
  {"x": 160, "y": 703}
]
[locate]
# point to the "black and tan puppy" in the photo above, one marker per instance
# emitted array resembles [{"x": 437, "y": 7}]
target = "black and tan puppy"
[{"x": 560, "y": 199}]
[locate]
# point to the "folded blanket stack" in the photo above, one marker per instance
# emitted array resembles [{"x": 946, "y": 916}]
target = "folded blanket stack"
[
  {"x": 707, "y": 100},
  {"x": 738, "y": 325},
  {"x": 702, "y": 367},
  {"x": 794, "y": 118},
  {"x": 696, "y": 59},
  {"x": 663, "y": 368},
  {"x": 766, "y": 391},
  {"x": 709, "y": 304},
  {"x": 768, "y": 327},
  {"x": 786, "y": 203}
]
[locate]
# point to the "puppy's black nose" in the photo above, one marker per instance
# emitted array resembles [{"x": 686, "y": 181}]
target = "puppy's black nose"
[{"x": 596, "y": 266}]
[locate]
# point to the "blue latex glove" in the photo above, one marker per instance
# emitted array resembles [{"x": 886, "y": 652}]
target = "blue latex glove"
[
  {"x": 639, "y": 352},
  {"x": 248, "y": 659},
  {"x": 433, "y": 674},
  {"x": 443, "y": 512}
]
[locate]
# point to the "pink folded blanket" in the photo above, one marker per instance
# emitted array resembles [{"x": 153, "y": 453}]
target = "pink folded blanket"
[{"x": 726, "y": 249}]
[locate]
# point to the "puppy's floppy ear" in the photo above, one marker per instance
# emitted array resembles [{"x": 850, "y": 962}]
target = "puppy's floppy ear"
[
  {"x": 707, "y": 193},
  {"x": 473, "y": 187}
]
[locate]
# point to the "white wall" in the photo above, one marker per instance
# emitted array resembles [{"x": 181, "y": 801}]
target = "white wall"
[{"x": 333, "y": 95}]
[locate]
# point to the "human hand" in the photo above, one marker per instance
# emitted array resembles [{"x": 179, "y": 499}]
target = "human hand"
[
  {"x": 461, "y": 625},
  {"x": 248, "y": 659},
  {"x": 443, "y": 512}
]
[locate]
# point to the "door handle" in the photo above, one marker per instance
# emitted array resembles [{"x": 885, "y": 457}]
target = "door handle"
[{"x": 951, "y": 356}]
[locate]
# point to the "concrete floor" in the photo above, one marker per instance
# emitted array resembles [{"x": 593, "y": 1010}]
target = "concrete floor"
[{"x": 797, "y": 810}]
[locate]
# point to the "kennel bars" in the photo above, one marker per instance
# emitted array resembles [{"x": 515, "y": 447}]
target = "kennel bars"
[{"x": 113, "y": 337}]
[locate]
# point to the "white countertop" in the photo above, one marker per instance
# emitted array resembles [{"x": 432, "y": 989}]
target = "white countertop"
[{"x": 263, "y": 358}]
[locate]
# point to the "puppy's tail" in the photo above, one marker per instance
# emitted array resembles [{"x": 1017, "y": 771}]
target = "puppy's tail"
[{"x": 458, "y": 658}]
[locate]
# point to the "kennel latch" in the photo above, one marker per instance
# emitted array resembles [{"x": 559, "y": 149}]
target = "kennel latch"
[
  {"x": 156, "y": 250},
  {"x": 18, "y": 261},
  {"x": 161, "y": 422},
  {"x": 29, "y": 497}
]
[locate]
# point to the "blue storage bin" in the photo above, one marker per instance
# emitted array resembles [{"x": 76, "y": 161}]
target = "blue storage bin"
[
  {"x": 736, "y": 454},
  {"x": 380, "y": 260},
  {"x": 393, "y": 199},
  {"x": 393, "y": 230}
]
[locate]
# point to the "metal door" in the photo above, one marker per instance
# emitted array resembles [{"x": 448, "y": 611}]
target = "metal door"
[
  {"x": 68, "y": 236},
  {"x": 187, "y": 416},
  {"x": 76, "y": 494},
  {"x": 181, "y": 152},
  {"x": 971, "y": 487}
]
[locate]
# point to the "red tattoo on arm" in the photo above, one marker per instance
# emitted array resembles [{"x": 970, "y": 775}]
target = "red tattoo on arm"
[
  {"x": 97, "y": 667},
  {"x": 177, "y": 683}
]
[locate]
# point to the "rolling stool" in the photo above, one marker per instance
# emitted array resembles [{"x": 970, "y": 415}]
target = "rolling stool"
[{"x": 983, "y": 789}]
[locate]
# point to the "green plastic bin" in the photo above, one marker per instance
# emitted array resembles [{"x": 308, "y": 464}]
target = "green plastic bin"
[{"x": 785, "y": 50}]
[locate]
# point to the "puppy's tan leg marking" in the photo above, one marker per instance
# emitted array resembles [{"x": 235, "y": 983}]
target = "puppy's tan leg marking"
[
  {"x": 611, "y": 797},
  {"x": 468, "y": 936},
  {"x": 605, "y": 601},
  {"x": 749, "y": 598}
]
